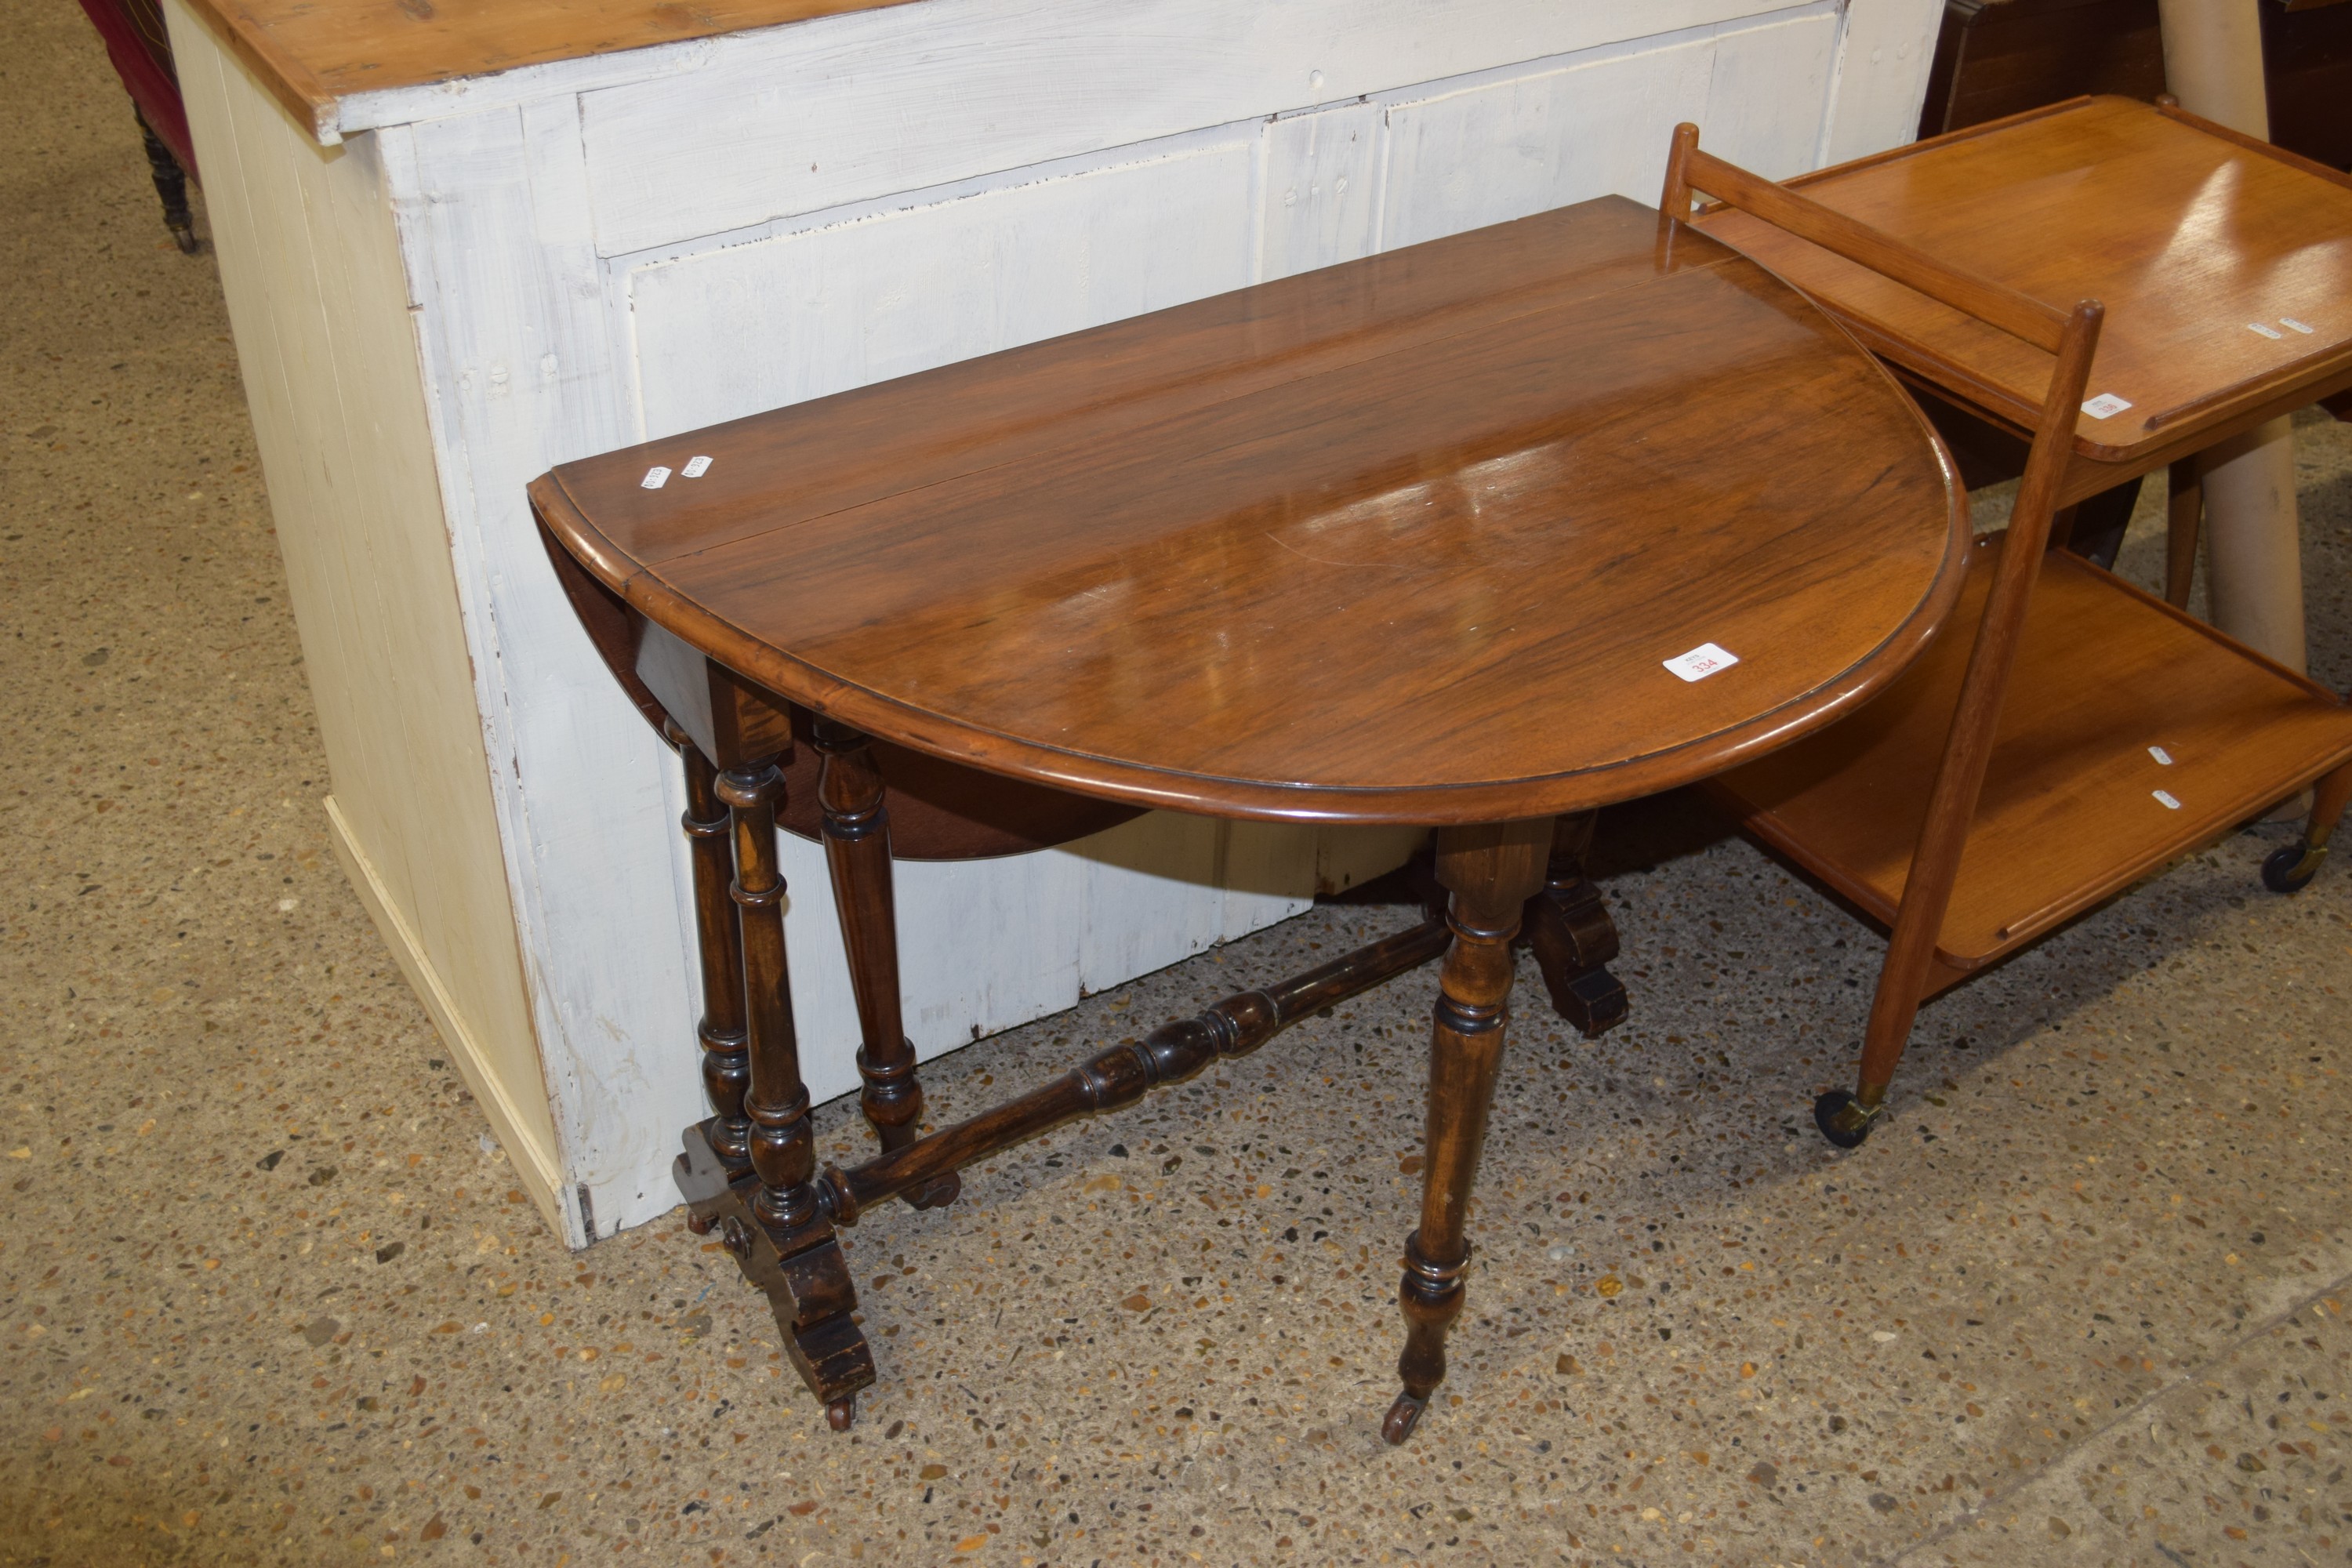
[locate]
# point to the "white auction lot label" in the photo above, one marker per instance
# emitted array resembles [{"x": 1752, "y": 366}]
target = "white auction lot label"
[{"x": 1701, "y": 662}]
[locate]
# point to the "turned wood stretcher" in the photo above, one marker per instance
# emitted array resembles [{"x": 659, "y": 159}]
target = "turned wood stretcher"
[
  {"x": 1474, "y": 535},
  {"x": 2074, "y": 734}
]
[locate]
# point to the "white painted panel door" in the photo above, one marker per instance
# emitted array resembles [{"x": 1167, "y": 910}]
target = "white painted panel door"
[
  {"x": 1495, "y": 148},
  {"x": 742, "y": 328},
  {"x": 842, "y": 110}
]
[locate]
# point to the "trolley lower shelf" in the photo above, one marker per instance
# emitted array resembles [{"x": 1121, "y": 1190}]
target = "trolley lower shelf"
[{"x": 2132, "y": 734}]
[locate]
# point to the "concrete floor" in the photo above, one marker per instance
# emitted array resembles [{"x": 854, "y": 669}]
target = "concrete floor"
[{"x": 271, "y": 1297}]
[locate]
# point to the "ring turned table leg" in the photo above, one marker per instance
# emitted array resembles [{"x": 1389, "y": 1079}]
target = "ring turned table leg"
[
  {"x": 726, "y": 1060},
  {"x": 823, "y": 1339},
  {"x": 1492, "y": 872},
  {"x": 857, "y": 826},
  {"x": 782, "y": 1145}
]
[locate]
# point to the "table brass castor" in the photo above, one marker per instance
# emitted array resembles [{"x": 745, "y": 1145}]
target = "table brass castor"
[
  {"x": 697, "y": 1225},
  {"x": 2290, "y": 867},
  {"x": 841, "y": 1412},
  {"x": 1843, "y": 1120},
  {"x": 1402, "y": 1418}
]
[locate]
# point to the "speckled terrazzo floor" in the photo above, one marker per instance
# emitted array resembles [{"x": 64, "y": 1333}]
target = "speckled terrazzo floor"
[{"x": 267, "y": 1297}]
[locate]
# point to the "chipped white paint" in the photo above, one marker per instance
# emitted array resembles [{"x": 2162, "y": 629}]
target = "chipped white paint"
[{"x": 596, "y": 251}]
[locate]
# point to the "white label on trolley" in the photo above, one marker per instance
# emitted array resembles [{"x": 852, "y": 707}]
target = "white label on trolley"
[
  {"x": 1701, "y": 662},
  {"x": 2271, "y": 332},
  {"x": 2166, "y": 796},
  {"x": 2306, "y": 328},
  {"x": 656, "y": 477},
  {"x": 695, "y": 468},
  {"x": 2163, "y": 757},
  {"x": 2106, "y": 406}
]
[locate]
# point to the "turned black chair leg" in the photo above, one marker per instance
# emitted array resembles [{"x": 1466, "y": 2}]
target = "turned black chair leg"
[{"x": 171, "y": 186}]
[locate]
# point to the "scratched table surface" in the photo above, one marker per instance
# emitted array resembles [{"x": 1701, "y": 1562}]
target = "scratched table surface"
[{"x": 1428, "y": 537}]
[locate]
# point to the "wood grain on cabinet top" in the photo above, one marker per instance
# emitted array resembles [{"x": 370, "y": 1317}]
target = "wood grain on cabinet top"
[
  {"x": 310, "y": 53},
  {"x": 1406, "y": 540},
  {"x": 2225, "y": 265}
]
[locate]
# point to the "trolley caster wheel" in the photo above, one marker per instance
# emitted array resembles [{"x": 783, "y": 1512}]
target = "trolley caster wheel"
[
  {"x": 2290, "y": 868},
  {"x": 841, "y": 1412},
  {"x": 1843, "y": 1120},
  {"x": 1403, "y": 1418}
]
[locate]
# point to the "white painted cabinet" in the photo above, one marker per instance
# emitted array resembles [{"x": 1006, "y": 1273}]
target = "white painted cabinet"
[{"x": 478, "y": 278}]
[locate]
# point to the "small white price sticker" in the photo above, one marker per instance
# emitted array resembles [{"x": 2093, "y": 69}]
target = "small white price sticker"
[
  {"x": 2106, "y": 406},
  {"x": 1701, "y": 662},
  {"x": 2165, "y": 797},
  {"x": 695, "y": 468},
  {"x": 2271, "y": 332},
  {"x": 656, "y": 477},
  {"x": 2306, "y": 328},
  {"x": 2163, "y": 757}
]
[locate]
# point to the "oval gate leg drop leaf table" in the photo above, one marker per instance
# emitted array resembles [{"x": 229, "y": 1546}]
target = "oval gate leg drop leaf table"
[{"x": 1480, "y": 534}]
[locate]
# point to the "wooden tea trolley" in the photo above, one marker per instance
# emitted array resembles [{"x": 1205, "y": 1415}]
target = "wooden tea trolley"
[
  {"x": 2078, "y": 733},
  {"x": 1481, "y": 534}
]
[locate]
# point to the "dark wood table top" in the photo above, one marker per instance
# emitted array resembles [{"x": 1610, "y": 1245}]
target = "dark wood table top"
[
  {"x": 2225, "y": 265},
  {"x": 1407, "y": 539}
]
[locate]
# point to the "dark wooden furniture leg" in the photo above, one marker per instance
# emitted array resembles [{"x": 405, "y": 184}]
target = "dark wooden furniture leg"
[
  {"x": 777, "y": 1103},
  {"x": 820, "y": 1334},
  {"x": 170, "y": 188},
  {"x": 2096, "y": 530},
  {"x": 1568, "y": 926},
  {"x": 1492, "y": 871},
  {"x": 718, "y": 936},
  {"x": 2184, "y": 514},
  {"x": 856, "y": 830}
]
